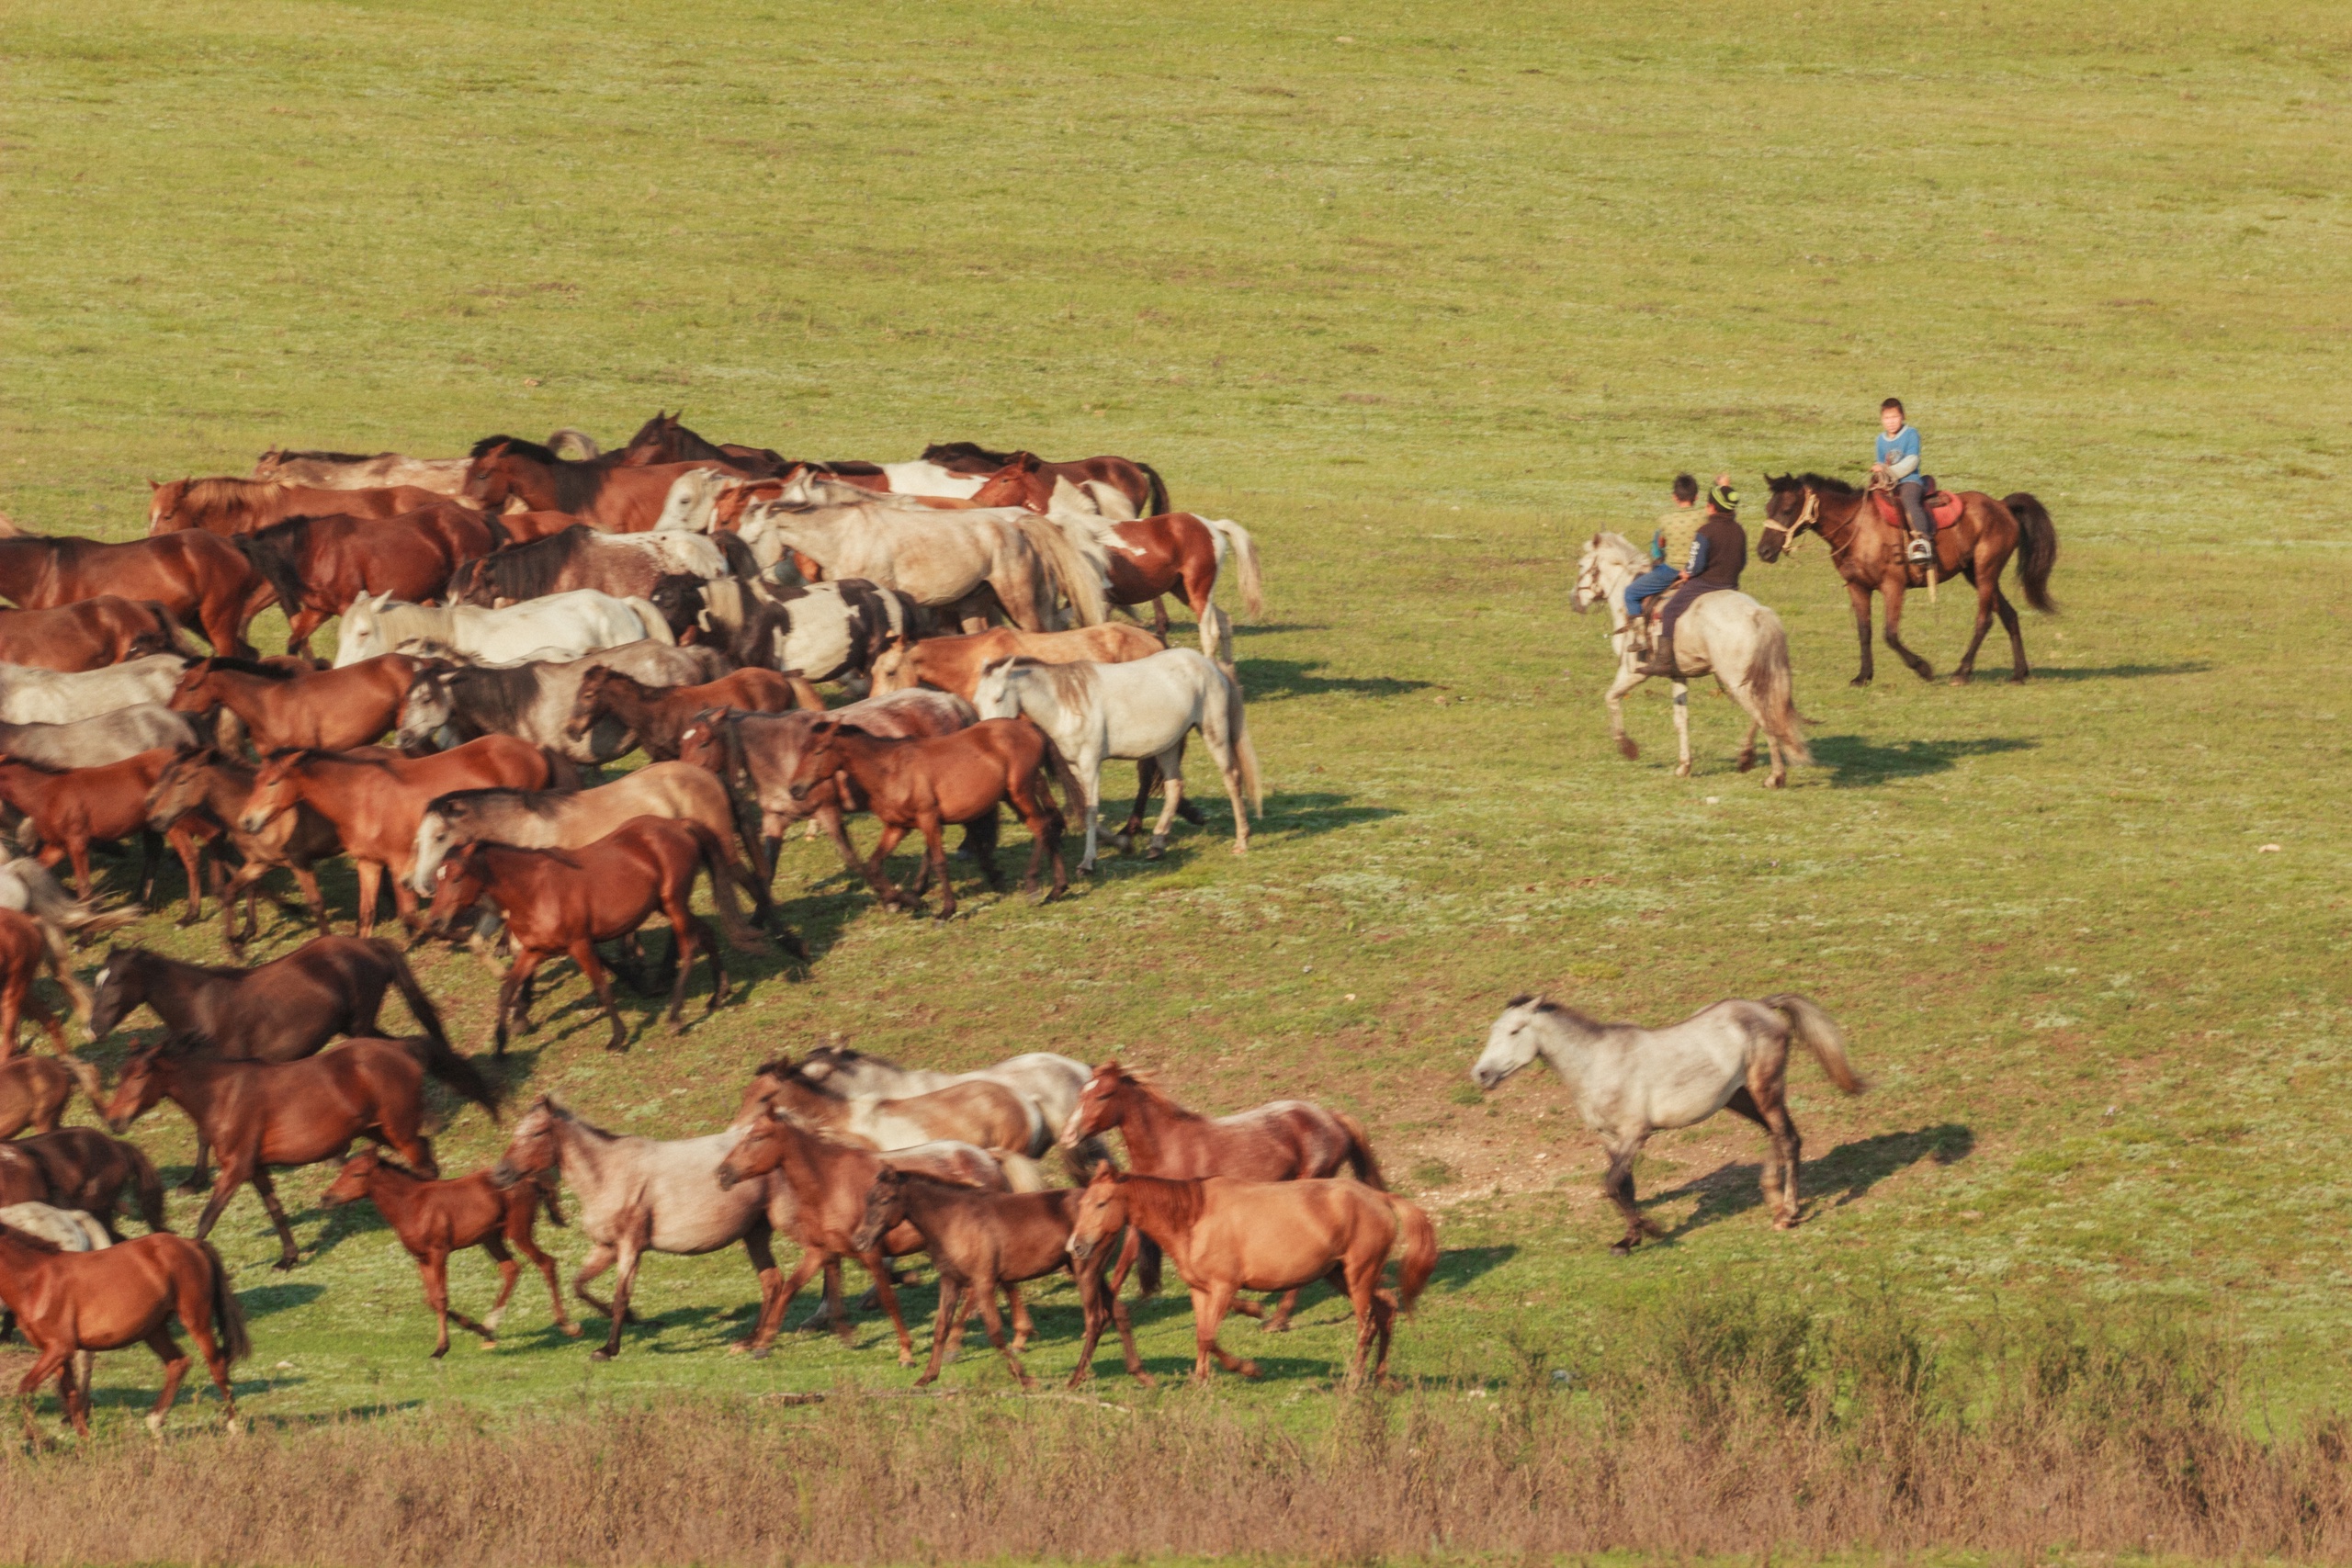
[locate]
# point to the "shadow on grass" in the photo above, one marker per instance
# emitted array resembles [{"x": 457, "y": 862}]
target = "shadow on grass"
[
  {"x": 2122, "y": 671},
  {"x": 263, "y": 1301},
  {"x": 1459, "y": 1266},
  {"x": 1853, "y": 762},
  {"x": 1269, "y": 679},
  {"x": 1841, "y": 1177}
]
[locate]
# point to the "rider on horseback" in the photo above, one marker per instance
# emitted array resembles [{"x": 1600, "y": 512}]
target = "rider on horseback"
[
  {"x": 1898, "y": 467},
  {"x": 1668, "y": 545},
  {"x": 1718, "y": 555}
]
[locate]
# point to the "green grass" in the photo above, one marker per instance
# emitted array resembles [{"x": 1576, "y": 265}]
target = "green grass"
[{"x": 1421, "y": 295}]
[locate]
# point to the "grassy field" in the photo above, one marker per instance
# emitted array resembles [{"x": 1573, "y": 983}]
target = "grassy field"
[{"x": 1422, "y": 296}]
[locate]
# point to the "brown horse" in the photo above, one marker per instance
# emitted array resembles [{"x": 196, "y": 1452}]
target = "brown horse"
[
  {"x": 67, "y": 1302},
  {"x": 616, "y": 499},
  {"x": 981, "y": 1242},
  {"x": 1144, "y": 493},
  {"x": 376, "y": 802},
  {"x": 319, "y": 565},
  {"x": 434, "y": 1219},
  {"x": 90, "y": 634},
  {"x": 1227, "y": 1235},
  {"x": 208, "y": 789},
  {"x": 69, "y": 809},
  {"x": 200, "y": 581},
  {"x": 244, "y": 506},
  {"x": 657, "y": 715},
  {"x": 258, "y": 1114},
  {"x": 566, "y": 902},
  {"x": 663, "y": 439},
  {"x": 1283, "y": 1140},
  {"x": 922, "y": 785},
  {"x": 287, "y": 710},
  {"x": 954, "y": 663},
  {"x": 1866, "y": 541},
  {"x": 81, "y": 1167},
  {"x": 26, "y": 944},
  {"x": 34, "y": 1090}
]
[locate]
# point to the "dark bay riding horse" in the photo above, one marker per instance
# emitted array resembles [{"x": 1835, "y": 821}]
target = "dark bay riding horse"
[
  {"x": 1866, "y": 547},
  {"x": 319, "y": 565},
  {"x": 285, "y": 710},
  {"x": 202, "y": 582},
  {"x": 240, "y": 506},
  {"x": 90, "y": 634}
]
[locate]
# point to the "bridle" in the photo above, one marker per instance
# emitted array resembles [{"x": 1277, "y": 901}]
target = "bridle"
[{"x": 1806, "y": 517}]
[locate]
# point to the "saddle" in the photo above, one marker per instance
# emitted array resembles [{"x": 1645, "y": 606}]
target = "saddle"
[{"x": 1944, "y": 508}]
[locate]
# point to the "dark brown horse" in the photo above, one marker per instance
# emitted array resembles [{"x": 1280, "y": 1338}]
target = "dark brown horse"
[
  {"x": 243, "y": 506},
  {"x": 81, "y": 1167},
  {"x": 1283, "y": 1140},
  {"x": 566, "y": 902},
  {"x": 657, "y": 715},
  {"x": 663, "y": 439},
  {"x": 258, "y": 1114},
  {"x": 1866, "y": 538},
  {"x": 90, "y": 634},
  {"x": 434, "y": 1219},
  {"x": 319, "y": 565},
  {"x": 67, "y": 1302},
  {"x": 202, "y": 582},
  {"x": 287, "y": 710},
  {"x": 208, "y": 789},
  {"x": 615, "y": 499}
]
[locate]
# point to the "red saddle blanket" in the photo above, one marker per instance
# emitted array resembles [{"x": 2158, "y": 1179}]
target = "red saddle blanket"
[{"x": 1944, "y": 508}]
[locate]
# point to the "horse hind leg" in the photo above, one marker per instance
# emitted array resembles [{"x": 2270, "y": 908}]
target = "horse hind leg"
[
  {"x": 1619, "y": 1185},
  {"x": 2008, "y": 614},
  {"x": 1170, "y": 764},
  {"x": 1985, "y": 594},
  {"x": 176, "y": 1364}
]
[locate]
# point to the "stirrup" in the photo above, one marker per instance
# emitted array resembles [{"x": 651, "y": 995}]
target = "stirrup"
[{"x": 1922, "y": 551}]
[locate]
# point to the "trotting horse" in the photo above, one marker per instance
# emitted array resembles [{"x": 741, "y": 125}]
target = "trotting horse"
[
  {"x": 1630, "y": 1082},
  {"x": 1726, "y": 634},
  {"x": 1866, "y": 546}
]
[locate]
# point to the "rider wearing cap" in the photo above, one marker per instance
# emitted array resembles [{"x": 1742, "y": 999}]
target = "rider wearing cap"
[
  {"x": 1669, "y": 548},
  {"x": 1898, "y": 465},
  {"x": 1718, "y": 555}
]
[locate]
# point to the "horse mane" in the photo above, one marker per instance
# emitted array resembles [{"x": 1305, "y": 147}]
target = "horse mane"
[
  {"x": 26, "y": 1239},
  {"x": 235, "y": 666},
  {"x": 529, "y": 571},
  {"x": 284, "y": 454},
  {"x": 538, "y": 451},
  {"x": 226, "y": 494},
  {"x": 1174, "y": 1199},
  {"x": 942, "y": 452},
  {"x": 539, "y": 802},
  {"x": 1825, "y": 484}
]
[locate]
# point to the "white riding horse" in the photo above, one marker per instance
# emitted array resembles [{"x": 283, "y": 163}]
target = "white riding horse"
[
  {"x": 1140, "y": 709},
  {"x": 561, "y": 625},
  {"x": 1630, "y": 1082},
  {"x": 1726, "y": 634}
]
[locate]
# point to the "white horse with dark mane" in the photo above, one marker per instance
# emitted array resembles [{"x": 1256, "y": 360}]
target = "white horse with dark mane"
[
  {"x": 1630, "y": 1082},
  {"x": 1726, "y": 634},
  {"x": 1141, "y": 710}
]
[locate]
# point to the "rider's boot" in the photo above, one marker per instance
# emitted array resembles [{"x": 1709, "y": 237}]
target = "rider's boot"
[
  {"x": 1661, "y": 658},
  {"x": 1923, "y": 549}
]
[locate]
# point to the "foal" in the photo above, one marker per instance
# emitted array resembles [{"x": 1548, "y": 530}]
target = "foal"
[{"x": 434, "y": 1219}]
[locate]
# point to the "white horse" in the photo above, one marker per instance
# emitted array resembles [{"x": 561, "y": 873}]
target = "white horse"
[
  {"x": 32, "y": 696},
  {"x": 561, "y": 625},
  {"x": 1630, "y": 1082},
  {"x": 1726, "y": 634},
  {"x": 693, "y": 497},
  {"x": 1140, "y": 709}
]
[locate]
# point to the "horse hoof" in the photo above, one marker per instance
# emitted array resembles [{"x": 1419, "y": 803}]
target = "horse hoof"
[
  {"x": 1682, "y": 770},
  {"x": 761, "y": 1352},
  {"x": 600, "y": 1354},
  {"x": 1859, "y": 681},
  {"x": 1626, "y": 748},
  {"x": 285, "y": 1265},
  {"x": 1247, "y": 1369},
  {"x": 1746, "y": 761},
  {"x": 1623, "y": 1248},
  {"x": 438, "y": 1353}
]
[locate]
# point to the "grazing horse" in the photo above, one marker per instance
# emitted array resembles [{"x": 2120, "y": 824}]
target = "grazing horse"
[
  {"x": 67, "y": 1302},
  {"x": 979, "y": 1112},
  {"x": 1142, "y": 710},
  {"x": 920, "y": 785},
  {"x": 29, "y": 696},
  {"x": 626, "y": 566},
  {"x": 1135, "y": 483},
  {"x": 357, "y": 471},
  {"x": 610, "y": 498},
  {"x": 244, "y": 506},
  {"x": 954, "y": 663},
  {"x": 201, "y": 581},
  {"x": 258, "y": 1114},
  {"x": 212, "y": 788},
  {"x": 657, "y": 716},
  {"x": 826, "y": 1183},
  {"x": 34, "y": 1090},
  {"x": 287, "y": 710},
  {"x": 81, "y": 1167},
  {"x": 90, "y": 634},
  {"x": 376, "y": 802},
  {"x": 1283, "y": 1140},
  {"x": 1726, "y": 633},
  {"x": 434, "y": 1219},
  {"x": 319, "y": 565},
  {"x": 640, "y": 1195},
  {"x": 1227, "y": 1235},
  {"x": 981, "y": 1242},
  {"x": 1866, "y": 545},
  {"x": 447, "y": 703},
  {"x": 1630, "y": 1082},
  {"x": 566, "y": 902},
  {"x": 70, "y": 809},
  {"x": 564, "y": 625}
]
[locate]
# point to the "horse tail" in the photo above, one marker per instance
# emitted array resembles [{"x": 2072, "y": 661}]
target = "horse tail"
[
  {"x": 92, "y": 1087},
  {"x": 1072, "y": 573},
  {"x": 2036, "y": 548},
  {"x": 61, "y": 965},
  {"x": 150, "y": 1185},
  {"x": 428, "y": 1017},
  {"x": 1155, "y": 499},
  {"x": 1361, "y": 1159},
  {"x": 1419, "y": 1261},
  {"x": 451, "y": 1068},
  {"x": 1073, "y": 792},
  {"x": 227, "y": 1314},
  {"x": 1820, "y": 1034},
  {"x": 272, "y": 564},
  {"x": 1245, "y": 754},
  {"x": 1772, "y": 688},
  {"x": 657, "y": 625},
  {"x": 741, "y": 935},
  {"x": 579, "y": 438},
  {"x": 1245, "y": 562}
]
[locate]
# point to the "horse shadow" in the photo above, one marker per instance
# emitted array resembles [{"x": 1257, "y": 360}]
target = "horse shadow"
[
  {"x": 264, "y": 1300},
  {"x": 2122, "y": 671},
  {"x": 1270, "y": 680},
  {"x": 1855, "y": 763},
  {"x": 1460, "y": 1267},
  {"x": 1845, "y": 1175}
]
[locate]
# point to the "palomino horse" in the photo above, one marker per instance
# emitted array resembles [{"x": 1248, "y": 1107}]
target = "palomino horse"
[
  {"x": 1141, "y": 710},
  {"x": 127, "y": 1294},
  {"x": 1728, "y": 634},
  {"x": 1630, "y": 1082},
  {"x": 1866, "y": 546},
  {"x": 202, "y": 582},
  {"x": 954, "y": 663},
  {"x": 1226, "y": 1235}
]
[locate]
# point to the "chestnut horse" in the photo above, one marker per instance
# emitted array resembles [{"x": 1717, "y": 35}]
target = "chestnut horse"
[
  {"x": 242, "y": 506},
  {"x": 67, "y": 1302},
  {"x": 287, "y": 710},
  {"x": 1866, "y": 545},
  {"x": 199, "y": 581},
  {"x": 1283, "y": 1140},
  {"x": 212, "y": 788},
  {"x": 1226, "y": 1235},
  {"x": 319, "y": 565},
  {"x": 68, "y": 809},
  {"x": 616, "y": 499},
  {"x": 34, "y": 1090},
  {"x": 90, "y": 635},
  {"x": 376, "y": 802},
  {"x": 657, "y": 716}
]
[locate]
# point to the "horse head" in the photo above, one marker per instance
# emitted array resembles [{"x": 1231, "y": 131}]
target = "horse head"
[
  {"x": 1101, "y": 1213},
  {"x": 457, "y": 885},
  {"x": 1097, "y": 1109},
  {"x": 993, "y": 694},
  {"x": 117, "y": 989},
  {"x": 145, "y": 1075},
  {"x": 759, "y": 1151},
  {"x": 350, "y": 1183},
  {"x": 1794, "y": 508},
  {"x": 817, "y": 759},
  {"x": 430, "y": 704},
  {"x": 1511, "y": 1044},
  {"x": 885, "y": 1205},
  {"x": 533, "y": 1147},
  {"x": 275, "y": 791},
  {"x": 587, "y": 704}
]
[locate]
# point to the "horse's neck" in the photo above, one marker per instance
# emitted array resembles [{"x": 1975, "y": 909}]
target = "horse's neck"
[
  {"x": 1146, "y": 1121},
  {"x": 1156, "y": 1206},
  {"x": 584, "y": 1154},
  {"x": 22, "y": 563},
  {"x": 1567, "y": 1046}
]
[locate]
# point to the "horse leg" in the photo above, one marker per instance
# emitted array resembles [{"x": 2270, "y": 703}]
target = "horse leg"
[
  {"x": 1619, "y": 1185},
  {"x": 1747, "y": 749},
  {"x": 199, "y": 1177},
  {"x": 287, "y": 1254},
  {"x": 1363, "y": 1289},
  {"x": 934, "y": 854},
  {"x": 1033, "y": 798},
  {"x": 1892, "y": 630},
  {"x": 682, "y": 955},
  {"x": 984, "y": 1289},
  {"x": 760, "y": 1249},
  {"x": 1171, "y": 763},
  {"x": 313, "y": 895},
  {"x": 1859, "y": 595},
  {"x": 1629, "y": 675},
  {"x": 879, "y": 1267},
  {"x": 1160, "y": 615},
  {"x": 2008, "y": 614},
  {"x": 1024, "y": 1329},
  {"x": 584, "y": 953},
  {"x": 1682, "y": 729},
  {"x": 1209, "y": 1308},
  {"x": 530, "y": 1248},
  {"x": 1743, "y": 1104},
  {"x": 508, "y": 1273},
  {"x": 434, "y": 1269},
  {"x": 53, "y": 1358},
  {"x": 600, "y": 1258},
  {"x": 1988, "y": 590},
  {"x": 876, "y": 877},
  {"x": 224, "y": 1187},
  {"x": 626, "y": 1252},
  {"x": 192, "y": 858},
  {"x": 371, "y": 882},
  {"x": 514, "y": 998},
  {"x": 1769, "y": 1087}
]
